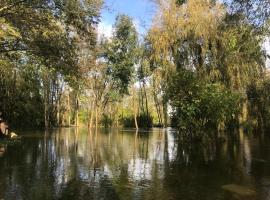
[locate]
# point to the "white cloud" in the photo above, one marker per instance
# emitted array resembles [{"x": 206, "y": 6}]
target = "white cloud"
[
  {"x": 137, "y": 24},
  {"x": 104, "y": 29}
]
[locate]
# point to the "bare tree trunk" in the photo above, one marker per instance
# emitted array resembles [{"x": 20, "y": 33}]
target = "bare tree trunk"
[
  {"x": 77, "y": 110},
  {"x": 141, "y": 100},
  {"x": 136, "y": 123},
  {"x": 90, "y": 116},
  {"x": 69, "y": 109},
  {"x": 135, "y": 109},
  {"x": 244, "y": 113},
  {"x": 160, "y": 121},
  {"x": 117, "y": 116},
  {"x": 261, "y": 122},
  {"x": 91, "y": 119},
  {"x": 46, "y": 101},
  {"x": 117, "y": 121},
  {"x": 58, "y": 112},
  {"x": 157, "y": 105},
  {"x": 46, "y": 111},
  {"x": 146, "y": 103},
  {"x": 46, "y": 115},
  {"x": 59, "y": 115},
  {"x": 96, "y": 115},
  {"x": 165, "y": 114}
]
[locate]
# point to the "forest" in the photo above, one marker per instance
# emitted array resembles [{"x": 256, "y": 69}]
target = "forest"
[{"x": 202, "y": 65}]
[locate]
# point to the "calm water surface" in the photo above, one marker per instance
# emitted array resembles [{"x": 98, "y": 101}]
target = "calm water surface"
[{"x": 117, "y": 164}]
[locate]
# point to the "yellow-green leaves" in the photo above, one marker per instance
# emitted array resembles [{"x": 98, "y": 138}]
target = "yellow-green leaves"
[
  {"x": 177, "y": 29},
  {"x": 7, "y": 31}
]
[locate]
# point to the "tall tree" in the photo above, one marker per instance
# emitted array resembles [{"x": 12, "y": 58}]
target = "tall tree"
[
  {"x": 121, "y": 53},
  {"x": 47, "y": 35},
  {"x": 211, "y": 41}
]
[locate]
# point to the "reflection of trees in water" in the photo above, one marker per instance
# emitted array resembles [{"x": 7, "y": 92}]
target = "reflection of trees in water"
[
  {"x": 65, "y": 162},
  {"x": 201, "y": 168},
  {"x": 2, "y": 149},
  {"x": 100, "y": 164},
  {"x": 124, "y": 160}
]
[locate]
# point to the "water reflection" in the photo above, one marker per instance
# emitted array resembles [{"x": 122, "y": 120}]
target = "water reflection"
[{"x": 119, "y": 164}]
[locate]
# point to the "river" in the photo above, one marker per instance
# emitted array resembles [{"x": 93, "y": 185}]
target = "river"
[{"x": 124, "y": 164}]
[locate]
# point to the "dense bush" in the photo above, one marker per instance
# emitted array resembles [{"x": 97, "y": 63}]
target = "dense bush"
[
  {"x": 20, "y": 98},
  {"x": 198, "y": 105},
  {"x": 143, "y": 121},
  {"x": 106, "y": 121},
  {"x": 259, "y": 104}
]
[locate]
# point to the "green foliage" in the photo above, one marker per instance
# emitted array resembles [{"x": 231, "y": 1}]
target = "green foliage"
[
  {"x": 259, "y": 104},
  {"x": 209, "y": 52},
  {"x": 120, "y": 53},
  {"x": 180, "y": 2},
  {"x": 50, "y": 31},
  {"x": 39, "y": 48},
  {"x": 198, "y": 105},
  {"x": 106, "y": 121},
  {"x": 20, "y": 96},
  {"x": 238, "y": 54}
]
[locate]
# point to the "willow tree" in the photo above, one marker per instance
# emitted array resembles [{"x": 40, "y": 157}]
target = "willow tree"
[
  {"x": 205, "y": 38},
  {"x": 179, "y": 37}
]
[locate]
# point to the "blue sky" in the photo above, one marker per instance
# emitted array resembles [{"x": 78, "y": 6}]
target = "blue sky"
[{"x": 141, "y": 11}]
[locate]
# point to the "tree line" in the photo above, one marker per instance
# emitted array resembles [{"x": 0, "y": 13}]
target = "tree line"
[{"x": 201, "y": 65}]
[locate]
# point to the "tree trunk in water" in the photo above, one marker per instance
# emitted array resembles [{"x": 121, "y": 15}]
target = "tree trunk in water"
[
  {"x": 77, "y": 111},
  {"x": 261, "y": 122},
  {"x": 146, "y": 104},
  {"x": 96, "y": 116},
  {"x": 244, "y": 113},
  {"x": 58, "y": 112},
  {"x": 90, "y": 119},
  {"x": 136, "y": 123},
  {"x": 157, "y": 104},
  {"x": 69, "y": 109},
  {"x": 141, "y": 99},
  {"x": 160, "y": 121},
  {"x": 135, "y": 110},
  {"x": 46, "y": 101},
  {"x": 117, "y": 121},
  {"x": 165, "y": 110},
  {"x": 46, "y": 113},
  {"x": 117, "y": 114}
]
